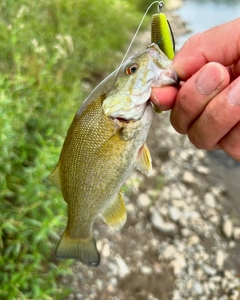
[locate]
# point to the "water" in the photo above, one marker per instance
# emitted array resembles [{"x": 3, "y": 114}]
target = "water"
[{"x": 201, "y": 15}]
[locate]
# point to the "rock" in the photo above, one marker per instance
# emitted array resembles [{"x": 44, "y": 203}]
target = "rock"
[
  {"x": 184, "y": 155},
  {"x": 174, "y": 213},
  {"x": 151, "y": 297},
  {"x": 236, "y": 233},
  {"x": 176, "y": 295},
  {"x": 130, "y": 207},
  {"x": 223, "y": 297},
  {"x": 229, "y": 275},
  {"x": 144, "y": 199},
  {"x": 209, "y": 200},
  {"x": 188, "y": 177},
  {"x": 156, "y": 220},
  {"x": 169, "y": 252},
  {"x": 211, "y": 285},
  {"x": 99, "y": 284},
  {"x": 165, "y": 227},
  {"x": 178, "y": 264},
  {"x": 99, "y": 245},
  {"x": 224, "y": 283},
  {"x": 215, "y": 219},
  {"x": 176, "y": 193},
  {"x": 197, "y": 288},
  {"x": 163, "y": 210},
  {"x": 183, "y": 221},
  {"x": 200, "y": 154},
  {"x": 106, "y": 250},
  {"x": 216, "y": 278},
  {"x": 122, "y": 266},
  {"x": 227, "y": 227},
  {"x": 79, "y": 296},
  {"x": 209, "y": 270},
  {"x": 146, "y": 270},
  {"x": 220, "y": 258},
  {"x": 235, "y": 294},
  {"x": 185, "y": 232},
  {"x": 193, "y": 240},
  {"x": 202, "y": 170}
]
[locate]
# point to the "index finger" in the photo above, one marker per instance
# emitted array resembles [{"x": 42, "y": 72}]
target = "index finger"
[{"x": 164, "y": 97}]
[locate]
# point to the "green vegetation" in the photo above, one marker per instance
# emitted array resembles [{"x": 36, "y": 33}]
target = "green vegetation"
[{"x": 47, "y": 50}]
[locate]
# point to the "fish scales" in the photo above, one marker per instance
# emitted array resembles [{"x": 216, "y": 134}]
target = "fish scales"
[{"x": 105, "y": 141}]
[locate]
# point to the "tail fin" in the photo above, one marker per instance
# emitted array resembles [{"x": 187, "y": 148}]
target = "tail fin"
[{"x": 84, "y": 250}]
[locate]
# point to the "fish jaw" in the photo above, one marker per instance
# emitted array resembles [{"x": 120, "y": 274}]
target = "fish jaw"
[
  {"x": 129, "y": 101},
  {"x": 165, "y": 75},
  {"x": 165, "y": 78}
]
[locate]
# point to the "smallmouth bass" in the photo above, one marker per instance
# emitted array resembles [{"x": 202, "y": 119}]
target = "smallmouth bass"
[{"x": 105, "y": 141}]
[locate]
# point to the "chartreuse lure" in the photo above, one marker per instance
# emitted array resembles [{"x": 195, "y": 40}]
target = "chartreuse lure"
[
  {"x": 161, "y": 32},
  {"x": 162, "y": 35}
]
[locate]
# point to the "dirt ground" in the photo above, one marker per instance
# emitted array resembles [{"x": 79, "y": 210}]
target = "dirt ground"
[{"x": 135, "y": 262}]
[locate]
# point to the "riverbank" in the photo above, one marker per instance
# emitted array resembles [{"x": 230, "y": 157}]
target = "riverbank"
[{"x": 178, "y": 242}]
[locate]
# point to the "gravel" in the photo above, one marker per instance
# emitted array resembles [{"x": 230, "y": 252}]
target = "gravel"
[{"x": 178, "y": 242}]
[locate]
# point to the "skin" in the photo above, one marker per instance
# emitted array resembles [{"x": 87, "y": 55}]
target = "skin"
[{"x": 206, "y": 104}]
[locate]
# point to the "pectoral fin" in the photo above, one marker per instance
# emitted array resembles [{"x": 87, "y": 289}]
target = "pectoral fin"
[
  {"x": 54, "y": 177},
  {"x": 144, "y": 160},
  {"x": 115, "y": 214}
]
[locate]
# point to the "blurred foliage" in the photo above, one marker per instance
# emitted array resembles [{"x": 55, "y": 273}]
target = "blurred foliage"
[{"x": 47, "y": 50}]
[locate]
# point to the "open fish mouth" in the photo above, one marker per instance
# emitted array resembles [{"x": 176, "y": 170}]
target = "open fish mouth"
[{"x": 126, "y": 118}]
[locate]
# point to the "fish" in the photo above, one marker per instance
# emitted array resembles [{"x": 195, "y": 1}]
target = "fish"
[{"x": 105, "y": 142}]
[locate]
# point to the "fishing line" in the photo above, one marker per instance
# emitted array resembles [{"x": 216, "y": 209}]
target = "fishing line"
[{"x": 139, "y": 26}]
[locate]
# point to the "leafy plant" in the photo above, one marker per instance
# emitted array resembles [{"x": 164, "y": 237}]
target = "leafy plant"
[{"x": 47, "y": 50}]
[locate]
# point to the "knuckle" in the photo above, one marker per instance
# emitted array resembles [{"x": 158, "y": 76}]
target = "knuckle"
[
  {"x": 183, "y": 112},
  {"x": 196, "y": 139},
  {"x": 230, "y": 143}
]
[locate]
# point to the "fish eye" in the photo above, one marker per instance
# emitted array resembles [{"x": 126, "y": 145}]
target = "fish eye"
[{"x": 131, "y": 69}]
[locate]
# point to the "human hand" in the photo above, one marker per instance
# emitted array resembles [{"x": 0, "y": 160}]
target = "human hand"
[{"x": 207, "y": 105}]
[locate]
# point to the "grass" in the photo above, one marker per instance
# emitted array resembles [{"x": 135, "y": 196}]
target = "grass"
[{"x": 48, "y": 50}]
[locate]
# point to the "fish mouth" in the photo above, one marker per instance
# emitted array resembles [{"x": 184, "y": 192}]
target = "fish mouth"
[
  {"x": 144, "y": 107},
  {"x": 167, "y": 77},
  {"x": 121, "y": 120},
  {"x": 162, "y": 66},
  {"x": 164, "y": 76}
]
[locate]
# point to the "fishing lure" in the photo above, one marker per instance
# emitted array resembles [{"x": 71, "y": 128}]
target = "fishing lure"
[
  {"x": 161, "y": 32},
  {"x": 162, "y": 35}
]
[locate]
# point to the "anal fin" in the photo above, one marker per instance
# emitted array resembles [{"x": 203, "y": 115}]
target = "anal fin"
[
  {"x": 115, "y": 214},
  {"x": 144, "y": 160}
]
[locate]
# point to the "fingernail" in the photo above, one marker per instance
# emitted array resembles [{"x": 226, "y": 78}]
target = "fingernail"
[
  {"x": 158, "y": 107},
  {"x": 234, "y": 93},
  {"x": 154, "y": 98},
  {"x": 210, "y": 79}
]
